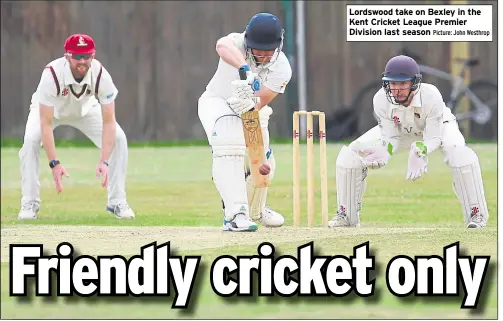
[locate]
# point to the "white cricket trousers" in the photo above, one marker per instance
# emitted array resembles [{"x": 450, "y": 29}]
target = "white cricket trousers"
[
  {"x": 224, "y": 131},
  {"x": 90, "y": 125}
]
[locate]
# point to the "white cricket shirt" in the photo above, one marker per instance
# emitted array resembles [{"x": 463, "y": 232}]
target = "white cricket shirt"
[
  {"x": 70, "y": 98},
  {"x": 275, "y": 77},
  {"x": 423, "y": 118}
]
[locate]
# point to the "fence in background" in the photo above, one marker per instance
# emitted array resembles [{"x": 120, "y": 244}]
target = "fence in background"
[{"x": 161, "y": 54}]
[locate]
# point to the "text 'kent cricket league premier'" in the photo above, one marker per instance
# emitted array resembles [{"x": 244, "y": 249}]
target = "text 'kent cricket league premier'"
[
  {"x": 157, "y": 271},
  {"x": 419, "y": 23}
]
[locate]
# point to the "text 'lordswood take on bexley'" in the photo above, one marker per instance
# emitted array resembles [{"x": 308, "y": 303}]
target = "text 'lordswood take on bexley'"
[{"x": 419, "y": 22}]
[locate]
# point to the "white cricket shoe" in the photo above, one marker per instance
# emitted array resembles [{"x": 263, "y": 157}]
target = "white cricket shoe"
[
  {"x": 339, "y": 220},
  {"x": 270, "y": 218},
  {"x": 121, "y": 210},
  {"x": 240, "y": 223},
  {"x": 29, "y": 211},
  {"x": 476, "y": 221}
]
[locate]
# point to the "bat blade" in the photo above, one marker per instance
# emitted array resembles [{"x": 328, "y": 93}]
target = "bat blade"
[
  {"x": 254, "y": 147},
  {"x": 254, "y": 142}
]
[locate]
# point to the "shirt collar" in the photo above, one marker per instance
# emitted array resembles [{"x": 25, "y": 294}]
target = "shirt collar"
[
  {"x": 69, "y": 80},
  {"x": 416, "y": 100}
]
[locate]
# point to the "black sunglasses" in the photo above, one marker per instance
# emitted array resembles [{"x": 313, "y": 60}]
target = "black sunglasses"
[{"x": 78, "y": 57}]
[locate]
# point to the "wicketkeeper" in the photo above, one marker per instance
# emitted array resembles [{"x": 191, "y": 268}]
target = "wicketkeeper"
[{"x": 411, "y": 116}]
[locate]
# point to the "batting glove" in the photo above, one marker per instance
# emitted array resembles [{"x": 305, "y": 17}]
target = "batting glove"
[
  {"x": 240, "y": 106},
  {"x": 418, "y": 161},
  {"x": 245, "y": 89},
  {"x": 242, "y": 89}
]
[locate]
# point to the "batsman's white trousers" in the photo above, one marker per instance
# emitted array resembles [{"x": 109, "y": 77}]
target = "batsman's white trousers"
[
  {"x": 224, "y": 131},
  {"x": 211, "y": 108},
  {"x": 90, "y": 125}
]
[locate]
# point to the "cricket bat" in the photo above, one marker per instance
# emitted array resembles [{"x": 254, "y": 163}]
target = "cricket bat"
[{"x": 254, "y": 143}]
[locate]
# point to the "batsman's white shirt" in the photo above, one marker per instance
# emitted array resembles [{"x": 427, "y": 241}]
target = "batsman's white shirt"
[
  {"x": 70, "y": 99},
  {"x": 426, "y": 119},
  {"x": 275, "y": 77}
]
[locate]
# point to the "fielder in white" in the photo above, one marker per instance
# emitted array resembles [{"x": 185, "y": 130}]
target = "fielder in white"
[
  {"x": 258, "y": 49},
  {"x": 411, "y": 116},
  {"x": 74, "y": 90}
]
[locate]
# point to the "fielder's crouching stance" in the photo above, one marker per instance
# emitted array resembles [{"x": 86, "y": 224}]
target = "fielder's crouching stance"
[
  {"x": 74, "y": 90},
  {"x": 226, "y": 98},
  {"x": 407, "y": 110}
]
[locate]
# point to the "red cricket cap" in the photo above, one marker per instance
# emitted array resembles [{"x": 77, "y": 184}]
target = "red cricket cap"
[{"x": 80, "y": 44}]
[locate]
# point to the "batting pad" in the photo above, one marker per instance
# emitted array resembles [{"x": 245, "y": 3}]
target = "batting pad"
[
  {"x": 229, "y": 150},
  {"x": 257, "y": 197},
  {"x": 351, "y": 184},
  {"x": 467, "y": 181}
]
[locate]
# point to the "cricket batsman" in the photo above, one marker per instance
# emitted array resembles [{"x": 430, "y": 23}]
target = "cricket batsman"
[
  {"x": 74, "y": 90},
  {"x": 259, "y": 50},
  {"x": 411, "y": 116}
]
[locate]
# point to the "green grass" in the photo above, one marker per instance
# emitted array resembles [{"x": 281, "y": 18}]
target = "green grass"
[
  {"x": 77, "y": 143},
  {"x": 175, "y": 200}
]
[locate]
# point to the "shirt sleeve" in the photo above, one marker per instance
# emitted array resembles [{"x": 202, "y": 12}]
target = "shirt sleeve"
[
  {"x": 432, "y": 134},
  {"x": 237, "y": 38},
  {"x": 239, "y": 41},
  {"x": 47, "y": 89},
  {"x": 277, "y": 79},
  {"x": 107, "y": 92},
  {"x": 390, "y": 134}
]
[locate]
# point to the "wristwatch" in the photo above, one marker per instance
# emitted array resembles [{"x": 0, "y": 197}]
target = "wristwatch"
[{"x": 53, "y": 163}]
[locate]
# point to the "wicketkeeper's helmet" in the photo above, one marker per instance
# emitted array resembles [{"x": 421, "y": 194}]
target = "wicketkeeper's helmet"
[{"x": 400, "y": 69}]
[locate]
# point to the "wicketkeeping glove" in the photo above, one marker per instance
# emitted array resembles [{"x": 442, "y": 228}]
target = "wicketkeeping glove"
[
  {"x": 418, "y": 161},
  {"x": 375, "y": 156}
]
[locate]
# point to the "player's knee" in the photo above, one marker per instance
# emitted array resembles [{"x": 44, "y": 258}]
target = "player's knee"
[
  {"x": 264, "y": 115},
  {"x": 348, "y": 158},
  {"x": 354, "y": 145},
  {"x": 452, "y": 136},
  {"x": 459, "y": 156},
  {"x": 358, "y": 145},
  {"x": 227, "y": 138}
]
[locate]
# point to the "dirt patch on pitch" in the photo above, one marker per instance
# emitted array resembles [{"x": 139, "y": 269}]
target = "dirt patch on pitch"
[{"x": 104, "y": 240}]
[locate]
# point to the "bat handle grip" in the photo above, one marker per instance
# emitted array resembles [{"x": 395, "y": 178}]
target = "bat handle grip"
[{"x": 242, "y": 73}]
